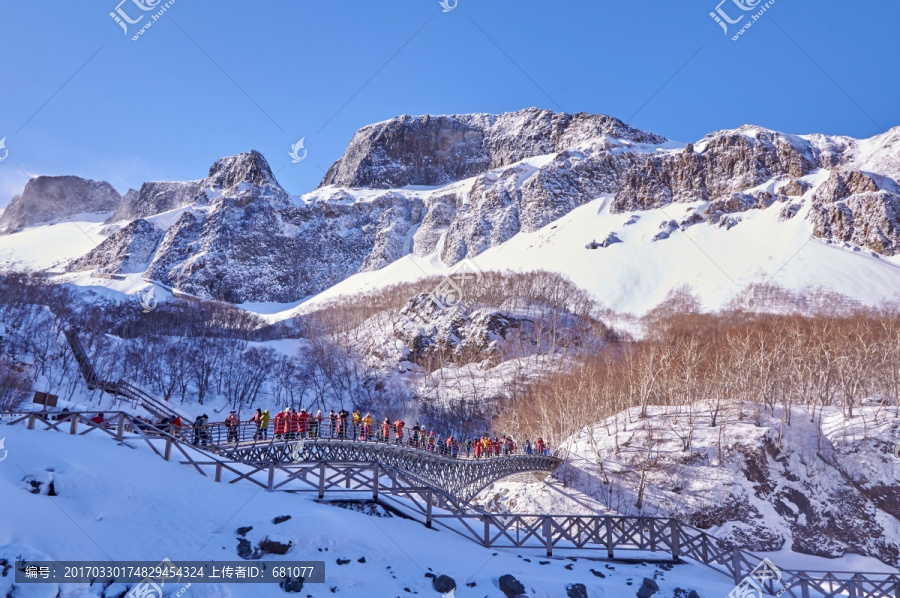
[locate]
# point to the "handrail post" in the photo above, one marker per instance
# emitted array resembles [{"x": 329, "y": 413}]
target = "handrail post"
[
  {"x": 31, "y": 421},
  {"x": 271, "y": 486},
  {"x": 120, "y": 430},
  {"x": 375, "y": 480},
  {"x": 487, "y": 531},
  {"x": 322, "y": 480},
  {"x": 609, "y": 540},
  {"x": 428, "y": 498},
  {"x": 548, "y": 536},
  {"x": 804, "y": 588},
  {"x": 73, "y": 429},
  {"x": 676, "y": 538},
  {"x": 218, "y": 471},
  {"x": 736, "y": 564},
  {"x": 168, "y": 453}
]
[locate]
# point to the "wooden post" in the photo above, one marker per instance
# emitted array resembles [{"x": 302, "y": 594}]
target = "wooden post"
[
  {"x": 428, "y": 498},
  {"x": 168, "y": 454},
  {"x": 322, "y": 480},
  {"x": 271, "y": 486},
  {"x": 31, "y": 421},
  {"x": 609, "y": 539},
  {"x": 676, "y": 539},
  {"x": 73, "y": 429},
  {"x": 375, "y": 481},
  {"x": 218, "y": 471},
  {"x": 548, "y": 536},
  {"x": 736, "y": 564},
  {"x": 120, "y": 431}
]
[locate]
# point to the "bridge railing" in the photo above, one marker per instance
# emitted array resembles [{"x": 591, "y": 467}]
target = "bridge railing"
[{"x": 248, "y": 433}]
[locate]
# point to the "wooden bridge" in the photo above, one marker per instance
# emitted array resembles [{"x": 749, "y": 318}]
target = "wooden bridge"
[
  {"x": 411, "y": 495},
  {"x": 461, "y": 477}
]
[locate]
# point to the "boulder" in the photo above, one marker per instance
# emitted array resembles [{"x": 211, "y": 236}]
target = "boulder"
[
  {"x": 576, "y": 590},
  {"x": 274, "y": 547},
  {"x": 511, "y": 587},
  {"x": 443, "y": 584},
  {"x": 648, "y": 588}
]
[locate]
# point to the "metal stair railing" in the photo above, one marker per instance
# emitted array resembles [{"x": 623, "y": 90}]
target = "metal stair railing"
[{"x": 122, "y": 388}]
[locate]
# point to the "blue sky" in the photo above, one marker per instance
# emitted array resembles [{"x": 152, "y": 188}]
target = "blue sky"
[{"x": 210, "y": 79}]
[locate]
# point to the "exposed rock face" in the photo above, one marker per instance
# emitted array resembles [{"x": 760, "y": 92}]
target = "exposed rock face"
[
  {"x": 729, "y": 163},
  {"x": 156, "y": 198},
  {"x": 128, "y": 250},
  {"x": 521, "y": 198},
  {"x": 249, "y": 169},
  {"x": 54, "y": 198},
  {"x": 428, "y": 329},
  {"x": 859, "y": 208},
  {"x": 436, "y": 150},
  {"x": 253, "y": 245}
]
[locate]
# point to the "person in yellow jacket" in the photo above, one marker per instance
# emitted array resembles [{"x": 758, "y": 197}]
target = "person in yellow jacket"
[
  {"x": 357, "y": 420},
  {"x": 367, "y": 423},
  {"x": 264, "y": 424}
]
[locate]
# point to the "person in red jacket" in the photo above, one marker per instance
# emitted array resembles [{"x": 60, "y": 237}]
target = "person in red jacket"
[
  {"x": 303, "y": 420},
  {"x": 280, "y": 424},
  {"x": 294, "y": 424},
  {"x": 398, "y": 430},
  {"x": 232, "y": 423},
  {"x": 98, "y": 419},
  {"x": 386, "y": 430},
  {"x": 540, "y": 446}
]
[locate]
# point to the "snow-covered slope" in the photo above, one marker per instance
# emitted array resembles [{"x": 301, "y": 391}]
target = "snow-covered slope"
[
  {"x": 824, "y": 486},
  {"x": 638, "y": 273}
]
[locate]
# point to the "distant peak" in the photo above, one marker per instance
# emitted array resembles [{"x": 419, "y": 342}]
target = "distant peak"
[{"x": 248, "y": 167}]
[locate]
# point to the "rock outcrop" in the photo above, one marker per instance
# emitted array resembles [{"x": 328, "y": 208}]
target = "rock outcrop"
[
  {"x": 436, "y": 150},
  {"x": 55, "y": 198},
  {"x": 859, "y": 208},
  {"x": 127, "y": 251}
]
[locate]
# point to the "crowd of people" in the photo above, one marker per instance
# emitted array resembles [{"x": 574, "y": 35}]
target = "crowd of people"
[{"x": 291, "y": 424}]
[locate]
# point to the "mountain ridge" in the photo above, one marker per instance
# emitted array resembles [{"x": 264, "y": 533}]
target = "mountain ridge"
[{"x": 238, "y": 236}]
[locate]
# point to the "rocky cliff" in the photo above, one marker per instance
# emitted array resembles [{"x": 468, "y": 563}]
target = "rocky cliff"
[
  {"x": 436, "y": 150},
  {"x": 54, "y": 198}
]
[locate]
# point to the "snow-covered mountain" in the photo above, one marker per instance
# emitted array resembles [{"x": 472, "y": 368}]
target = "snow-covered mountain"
[{"x": 526, "y": 190}]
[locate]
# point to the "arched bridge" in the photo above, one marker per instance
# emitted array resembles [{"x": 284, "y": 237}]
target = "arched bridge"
[{"x": 462, "y": 478}]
